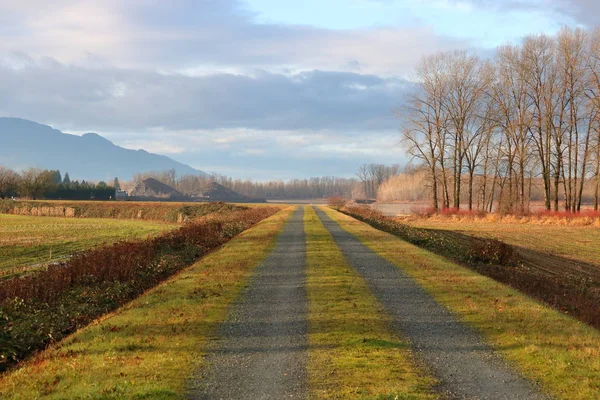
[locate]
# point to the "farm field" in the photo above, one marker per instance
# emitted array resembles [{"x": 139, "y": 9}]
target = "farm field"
[
  {"x": 157, "y": 345},
  {"x": 570, "y": 241},
  {"x": 44, "y": 306},
  {"x": 27, "y": 241},
  {"x": 150, "y": 347},
  {"x": 151, "y": 211}
]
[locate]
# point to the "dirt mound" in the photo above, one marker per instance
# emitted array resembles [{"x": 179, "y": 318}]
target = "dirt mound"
[{"x": 152, "y": 188}]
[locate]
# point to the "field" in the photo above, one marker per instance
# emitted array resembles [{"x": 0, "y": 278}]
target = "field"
[
  {"x": 574, "y": 242},
  {"x": 29, "y": 241},
  {"x": 152, "y": 211},
  {"x": 148, "y": 348},
  {"x": 49, "y": 303},
  {"x": 141, "y": 319}
]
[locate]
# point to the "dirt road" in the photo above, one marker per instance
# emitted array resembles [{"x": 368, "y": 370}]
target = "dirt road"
[{"x": 262, "y": 353}]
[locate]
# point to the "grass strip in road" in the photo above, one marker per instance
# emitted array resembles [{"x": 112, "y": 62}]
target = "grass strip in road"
[
  {"x": 149, "y": 348},
  {"x": 353, "y": 353},
  {"x": 553, "y": 349}
]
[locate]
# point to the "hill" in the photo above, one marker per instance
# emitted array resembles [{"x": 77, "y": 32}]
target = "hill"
[
  {"x": 153, "y": 189},
  {"x": 90, "y": 157},
  {"x": 214, "y": 191}
]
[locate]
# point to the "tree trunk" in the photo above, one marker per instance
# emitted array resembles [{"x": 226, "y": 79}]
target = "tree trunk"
[{"x": 471, "y": 172}]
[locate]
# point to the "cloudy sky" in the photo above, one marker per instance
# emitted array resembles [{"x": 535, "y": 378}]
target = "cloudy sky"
[{"x": 247, "y": 88}]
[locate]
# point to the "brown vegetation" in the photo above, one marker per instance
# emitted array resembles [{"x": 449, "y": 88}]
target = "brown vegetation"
[
  {"x": 44, "y": 307},
  {"x": 337, "y": 202},
  {"x": 568, "y": 285},
  {"x": 170, "y": 212}
]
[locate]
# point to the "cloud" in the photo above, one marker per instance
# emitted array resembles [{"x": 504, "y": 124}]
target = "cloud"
[
  {"x": 184, "y": 34},
  {"x": 296, "y": 124},
  {"x": 113, "y": 99},
  {"x": 583, "y": 11},
  {"x": 280, "y": 154},
  {"x": 212, "y": 83}
]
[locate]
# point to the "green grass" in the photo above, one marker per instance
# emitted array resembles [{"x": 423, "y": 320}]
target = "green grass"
[
  {"x": 150, "y": 347},
  {"x": 26, "y": 241},
  {"x": 570, "y": 241},
  {"x": 352, "y": 352},
  {"x": 559, "y": 352}
]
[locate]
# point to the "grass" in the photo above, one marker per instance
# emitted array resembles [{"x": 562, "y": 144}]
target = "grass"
[
  {"x": 574, "y": 242},
  {"x": 26, "y": 241},
  {"x": 148, "y": 348},
  {"x": 553, "y": 349},
  {"x": 153, "y": 211},
  {"x": 352, "y": 352}
]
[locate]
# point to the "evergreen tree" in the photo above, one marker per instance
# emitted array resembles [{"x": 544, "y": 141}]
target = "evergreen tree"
[
  {"x": 67, "y": 179},
  {"x": 116, "y": 184},
  {"x": 57, "y": 178}
]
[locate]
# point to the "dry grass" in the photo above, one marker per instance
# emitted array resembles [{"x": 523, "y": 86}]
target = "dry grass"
[
  {"x": 352, "y": 352},
  {"x": 588, "y": 218},
  {"x": 571, "y": 239},
  {"x": 148, "y": 348},
  {"x": 558, "y": 352},
  {"x": 154, "y": 211}
]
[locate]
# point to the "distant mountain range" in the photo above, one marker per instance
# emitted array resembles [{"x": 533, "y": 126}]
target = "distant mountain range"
[{"x": 25, "y": 144}]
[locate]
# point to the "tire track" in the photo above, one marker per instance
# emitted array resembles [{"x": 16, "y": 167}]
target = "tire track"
[
  {"x": 262, "y": 352},
  {"x": 465, "y": 365}
]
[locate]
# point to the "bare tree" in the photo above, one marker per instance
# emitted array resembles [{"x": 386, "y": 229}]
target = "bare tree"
[
  {"x": 35, "y": 182},
  {"x": 9, "y": 181},
  {"x": 532, "y": 114},
  {"x": 467, "y": 84}
]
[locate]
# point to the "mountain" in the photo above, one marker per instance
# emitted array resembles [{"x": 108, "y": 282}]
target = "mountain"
[{"x": 26, "y": 144}]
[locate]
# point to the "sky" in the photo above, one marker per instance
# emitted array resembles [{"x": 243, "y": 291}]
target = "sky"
[{"x": 262, "y": 89}]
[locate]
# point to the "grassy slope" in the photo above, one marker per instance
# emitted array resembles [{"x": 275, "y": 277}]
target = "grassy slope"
[
  {"x": 26, "y": 240},
  {"x": 352, "y": 354},
  {"x": 574, "y": 242},
  {"x": 139, "y": 210},
  {"x": 560, "y": 353},
  {"x": 149, "y": 348}
]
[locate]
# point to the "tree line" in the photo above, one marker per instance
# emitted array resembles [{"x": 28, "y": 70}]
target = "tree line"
[
  {"x": 369, "y": 177},
  {"x": 37, "y": 183},
  {"x": 530, "y": 115},
  {"x": 311, "y": 188}
]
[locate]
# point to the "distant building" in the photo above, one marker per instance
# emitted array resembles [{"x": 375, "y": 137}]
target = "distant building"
[{"x": 121, "y": 194}]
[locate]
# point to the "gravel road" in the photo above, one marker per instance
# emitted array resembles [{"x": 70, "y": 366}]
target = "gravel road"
[
  {"x": 263, "y": 345},
  {"x": 466, "y": 367}
]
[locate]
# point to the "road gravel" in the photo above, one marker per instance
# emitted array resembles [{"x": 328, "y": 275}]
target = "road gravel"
[{"x": 465, "y": 365}]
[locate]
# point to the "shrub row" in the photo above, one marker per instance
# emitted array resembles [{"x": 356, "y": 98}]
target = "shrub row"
[
  {"x": 576, "y": 295},
  {"x": 459, "y": 247},
  {"x": 42, "y": 308},
  {"x": 169, "y": 212}
]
